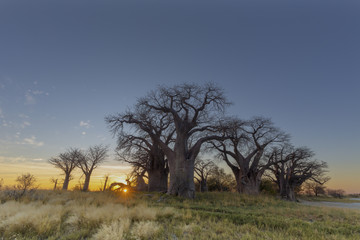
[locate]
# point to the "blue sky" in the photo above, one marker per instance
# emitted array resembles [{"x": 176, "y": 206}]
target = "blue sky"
[{"x": 65, "y": 65}]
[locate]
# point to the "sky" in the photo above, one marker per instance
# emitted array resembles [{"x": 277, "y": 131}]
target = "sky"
[{"x": 65, "y": 65}]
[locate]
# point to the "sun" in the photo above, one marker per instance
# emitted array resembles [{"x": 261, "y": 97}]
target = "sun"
[{"x": 125, "y": 190}]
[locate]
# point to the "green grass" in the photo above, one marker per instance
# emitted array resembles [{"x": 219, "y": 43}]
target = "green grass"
[
  {"x": 95, "y": 215},
  {"x": 328, "y": 199}
]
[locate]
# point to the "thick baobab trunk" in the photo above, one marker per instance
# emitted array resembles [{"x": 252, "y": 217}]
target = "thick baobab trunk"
[
  {"x": 158, "y": 180},
  {"x": 290, "y": 193},
  {"x": 184, "y": 179},
  {"x": 171, "y": 175},
  {"x": 248, "y": 184},
  {"x": 141, "y": 185},
  {"x": 66, "y": 181},
  {"x": 182, "y": 184},
  {"x": 87, "y": 182},
  {"x": 158, "y": 172}
]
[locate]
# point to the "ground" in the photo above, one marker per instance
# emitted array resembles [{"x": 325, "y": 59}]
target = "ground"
[{"x": 102, "y": 215}]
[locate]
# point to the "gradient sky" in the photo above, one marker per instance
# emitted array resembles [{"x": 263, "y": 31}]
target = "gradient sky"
[{"x": 65, "y": 65}]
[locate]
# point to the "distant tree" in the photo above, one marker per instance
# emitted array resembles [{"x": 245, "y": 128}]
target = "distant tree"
[
  {"x": 203, "y": 169},
  {"x": 220, "y": 181},
  {"x": 67, "y": 162},
  {"x": 105, "y": 183},
  {"x": 90, "y": 160},
  {"x": 314, "y": 188},
  {"x": 244, "y": 148},
  {"x": 24, "y": 183},
  {"x": 1, "y": 183},
  {"x": 54, "y": 181},
  {"x": 268, "y": 186},
  {"x": 294, "y": 166},
  {"x": 337, "y": 193}
]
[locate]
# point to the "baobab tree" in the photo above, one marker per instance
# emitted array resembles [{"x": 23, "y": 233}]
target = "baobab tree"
[
  {"x": 67, "y": 163},
  {"x": 244, "y": 148},
  {"x": 140, "y": 147},
  {"x": 90, "y": 160},
  {"x": 293, "y": 166},
  {"x": 194, "y": 111}
]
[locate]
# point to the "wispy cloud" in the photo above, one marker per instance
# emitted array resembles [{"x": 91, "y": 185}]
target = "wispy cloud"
[
  {"x": 29, "y": 99},
  {"x": 30, "y": 96},
  {"x": 5, "y": 159},
  {"x": 25, "y": 124},
  {"x": 85, "y": 124},
  {"x": 32, "y": 141},
  {"x": 19, "y": 159}
]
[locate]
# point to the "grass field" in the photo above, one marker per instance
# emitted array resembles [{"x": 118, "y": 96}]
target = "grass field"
[{"x": 97, "y": 215}]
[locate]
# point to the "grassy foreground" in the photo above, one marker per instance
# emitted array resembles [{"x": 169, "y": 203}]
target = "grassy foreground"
[{"x": 96, "y": 215}]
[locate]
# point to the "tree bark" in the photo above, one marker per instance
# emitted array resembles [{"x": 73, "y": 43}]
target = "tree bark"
[
  {"x": 66, "y": 181},
  {"x": 158, "y": 180},
  {"x": 158, "y": 171},
  {"x": 290, "y": 193},
  {"x": 249, "y": 184},
  {"x": 141, "y": 185},
  {"x": 87, "y": 182},
  {"x": 183, "y": 182}
]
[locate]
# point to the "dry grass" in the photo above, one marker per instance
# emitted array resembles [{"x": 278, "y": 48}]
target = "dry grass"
[{"x": 94, "y": 215}]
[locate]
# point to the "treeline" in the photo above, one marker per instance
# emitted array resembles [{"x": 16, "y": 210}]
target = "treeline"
[{"x": 162, "y": 135}]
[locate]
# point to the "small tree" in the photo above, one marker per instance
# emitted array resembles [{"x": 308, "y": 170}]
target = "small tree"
[
  {"x": 336, "y": 193},
  {"x": 89, "y": 161},
  {"x": 55, "y": 182},
  {"x": 25, "y": 182},
  {"x": 67, "y": 163},
  {"x": 203, "y": 169},
  {"x": 314, "y": 188},
  {"x": 220, "y": 181},
  {"x": 106, "y": 183}
]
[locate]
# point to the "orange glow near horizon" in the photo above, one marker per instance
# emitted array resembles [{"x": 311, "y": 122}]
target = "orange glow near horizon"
[
  {"x": 340, "y": 179},
  {"x": 43, "y": 174}
]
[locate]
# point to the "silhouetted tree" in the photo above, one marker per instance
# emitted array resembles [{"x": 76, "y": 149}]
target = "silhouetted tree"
[
  {"x": 203, "y": 169},
  {"x": 194, "y": 112},
  {"x": 90, "y": 160},
  {"x": 315, "y": 188},
  {"x": 55, "y": 181},
  {"x": 141, "y": 146},
  {"x": 25, "y": 182},
  {"x": 244, "y": 148},
  {"x": 337, "y": 193},
  {"x": 67, "y": 163},
  {"x": 293, "y": 166},
  {"x": 106, "y": 182}
]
